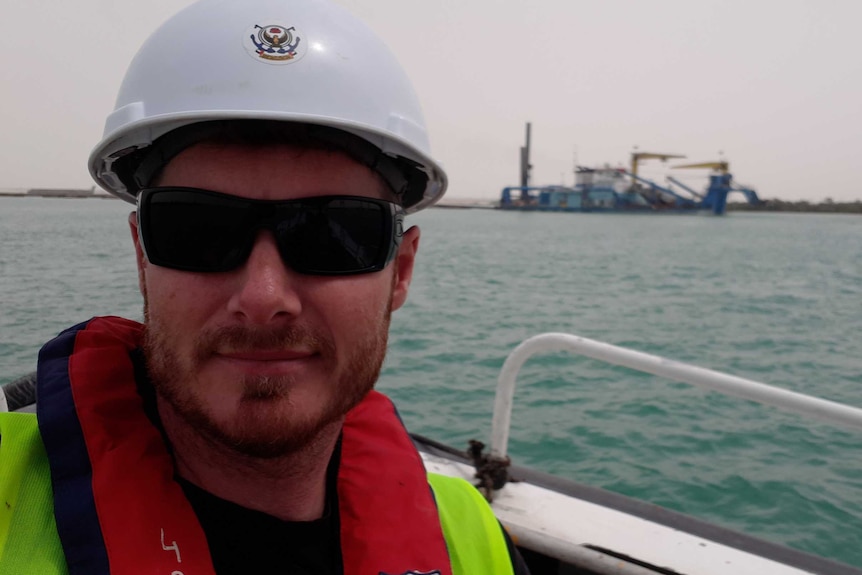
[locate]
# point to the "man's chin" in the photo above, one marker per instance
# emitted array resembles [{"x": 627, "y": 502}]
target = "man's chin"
[{"x": 265, "y": 427}]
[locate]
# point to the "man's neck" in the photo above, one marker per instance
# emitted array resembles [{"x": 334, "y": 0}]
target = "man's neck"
[{"x": 291, "y": 487}]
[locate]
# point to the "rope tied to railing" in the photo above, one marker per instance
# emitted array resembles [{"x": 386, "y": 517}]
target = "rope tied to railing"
[{"x": 492, "y": 471}]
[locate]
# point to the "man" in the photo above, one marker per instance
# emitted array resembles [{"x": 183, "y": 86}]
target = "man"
[{"x": 272, "y": 149}]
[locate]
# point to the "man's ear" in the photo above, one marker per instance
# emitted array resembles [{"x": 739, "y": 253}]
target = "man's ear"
[
  {"x": 139, "y": 253},
  {"x": 404, "y": 260}
]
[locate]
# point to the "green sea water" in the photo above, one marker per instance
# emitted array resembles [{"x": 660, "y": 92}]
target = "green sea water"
[{"x": 771, "y": 297}]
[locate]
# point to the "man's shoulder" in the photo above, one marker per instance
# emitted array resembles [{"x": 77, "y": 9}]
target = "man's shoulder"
[
  {"x": 21, "y": 445},
  {"x": 19, "y": 428}
]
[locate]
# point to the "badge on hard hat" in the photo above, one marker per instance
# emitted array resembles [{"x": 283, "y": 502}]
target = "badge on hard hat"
[{"x": 274, "y": 44}]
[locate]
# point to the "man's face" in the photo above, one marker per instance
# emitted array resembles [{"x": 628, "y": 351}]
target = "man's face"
[{"x": 260, "y": 359}]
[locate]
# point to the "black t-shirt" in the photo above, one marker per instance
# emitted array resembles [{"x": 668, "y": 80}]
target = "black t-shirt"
[{"x": 243, "y": 541}]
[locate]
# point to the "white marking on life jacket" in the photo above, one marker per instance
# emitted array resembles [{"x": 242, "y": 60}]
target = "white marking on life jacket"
[{"x": 174, "y": 547}]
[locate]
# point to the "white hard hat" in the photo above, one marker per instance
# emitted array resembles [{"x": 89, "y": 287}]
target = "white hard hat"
[{"x": 306, "y": 62}]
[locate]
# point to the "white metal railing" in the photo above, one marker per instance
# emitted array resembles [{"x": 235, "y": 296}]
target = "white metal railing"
[{"x": 829, "y": 411}]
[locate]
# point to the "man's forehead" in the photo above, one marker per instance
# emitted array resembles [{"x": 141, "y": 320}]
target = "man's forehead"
[{"x": 271, "y": 171}]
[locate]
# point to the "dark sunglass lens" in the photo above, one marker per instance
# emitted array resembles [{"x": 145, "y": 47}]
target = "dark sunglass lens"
[
  {"x": 336, "y": 236},
  {"x": 196, "y": 232}
]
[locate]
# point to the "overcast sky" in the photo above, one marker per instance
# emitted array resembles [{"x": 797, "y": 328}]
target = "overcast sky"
[{"x": 775, "y": 85}]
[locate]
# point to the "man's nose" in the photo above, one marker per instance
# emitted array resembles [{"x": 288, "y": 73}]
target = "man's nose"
[{"x": 267, "y": 290}]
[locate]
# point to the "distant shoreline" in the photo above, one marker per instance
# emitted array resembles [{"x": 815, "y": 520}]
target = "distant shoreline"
[
  {"x": 75, "y": 193},
  {"x": 802, "y": 207},
  {"x": 769, "y": 206},
  {"x": 61, "y": 197}
]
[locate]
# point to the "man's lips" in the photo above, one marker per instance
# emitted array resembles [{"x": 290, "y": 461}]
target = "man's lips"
[
  {"x": 274, "y": 355},
  {"x": 268, "y": 362}
]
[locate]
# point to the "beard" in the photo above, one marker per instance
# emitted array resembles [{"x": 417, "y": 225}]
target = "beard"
[{"x": 267, "y": 421}]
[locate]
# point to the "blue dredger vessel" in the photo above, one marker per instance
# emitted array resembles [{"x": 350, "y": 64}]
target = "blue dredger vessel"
[{"x": 610, "y": 189}]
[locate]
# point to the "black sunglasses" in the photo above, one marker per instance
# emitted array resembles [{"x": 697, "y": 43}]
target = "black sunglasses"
[{"x": 202, "y": 231}]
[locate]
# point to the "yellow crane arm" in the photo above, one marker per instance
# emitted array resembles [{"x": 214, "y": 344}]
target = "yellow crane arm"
[
  {"x": 722, "y": 166},
  {"x": 653, "y": 156},
  {"x": 638, "y": 156}
]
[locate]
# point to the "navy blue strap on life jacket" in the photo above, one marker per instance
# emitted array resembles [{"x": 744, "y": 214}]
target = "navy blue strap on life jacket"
[{"x": 71, "y": 473}]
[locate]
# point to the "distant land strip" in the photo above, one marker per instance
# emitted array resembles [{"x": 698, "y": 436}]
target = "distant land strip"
[
  {"x": 827, "y": 206},
  {"x": 55, "y": 193}
]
